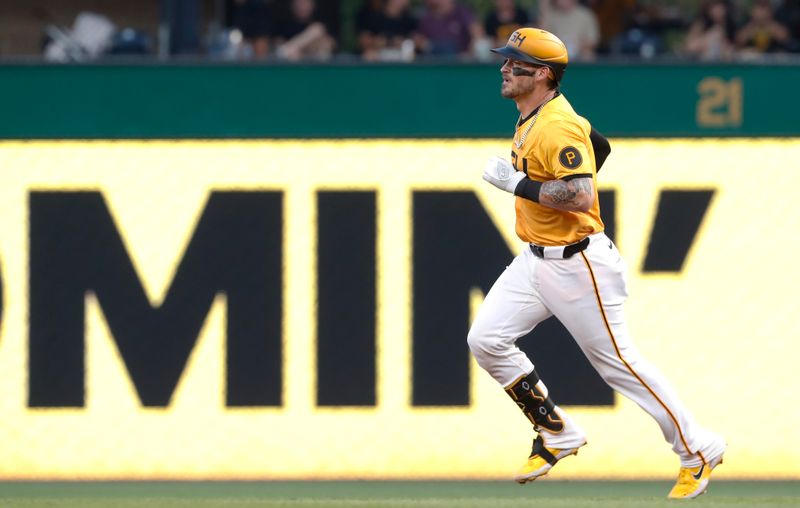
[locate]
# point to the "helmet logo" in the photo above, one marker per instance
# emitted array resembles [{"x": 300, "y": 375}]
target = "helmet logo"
[{"x": 517, "y": 39}]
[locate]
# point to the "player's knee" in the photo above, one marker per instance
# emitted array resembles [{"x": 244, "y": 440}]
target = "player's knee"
[
  {"x": 481, "y": 342},
  {"x": 474, "y": 339}
]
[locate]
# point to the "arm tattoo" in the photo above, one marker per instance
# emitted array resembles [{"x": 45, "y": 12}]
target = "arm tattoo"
[
  {"x": 566, "y": 195},
  {"x": 558, "y": 191}
]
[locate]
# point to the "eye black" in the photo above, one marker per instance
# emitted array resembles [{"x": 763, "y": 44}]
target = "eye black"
[{"x": 521, "y": 71}]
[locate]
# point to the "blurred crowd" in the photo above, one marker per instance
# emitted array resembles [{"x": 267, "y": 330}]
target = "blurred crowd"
[
  {"x": 412, "y": 30},
  {"x": 391, "y": 30}
]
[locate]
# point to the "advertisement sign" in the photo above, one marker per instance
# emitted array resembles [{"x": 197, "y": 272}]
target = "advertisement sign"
[{"x": 299, "y": 309}]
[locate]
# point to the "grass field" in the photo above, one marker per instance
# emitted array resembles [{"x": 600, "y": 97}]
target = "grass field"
[{"x": 549, "y": 494}]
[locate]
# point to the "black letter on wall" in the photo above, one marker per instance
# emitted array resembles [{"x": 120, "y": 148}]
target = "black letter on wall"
[
  {"x": 677, "y": 221},
  {"x": 75, "y": 248},
  {"x": 457, "y": 247},
  {"x": 608, "y": 212},
  {"x": 346, "y": 265}
]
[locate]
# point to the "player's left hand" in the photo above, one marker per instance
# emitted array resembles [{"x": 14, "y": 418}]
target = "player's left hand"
[{"x": 500, "y": 173}]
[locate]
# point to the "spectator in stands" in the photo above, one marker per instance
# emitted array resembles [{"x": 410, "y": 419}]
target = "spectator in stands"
[
  {"x": 303, "y": 35},
  {"x": 789, "y": 13},
  {"x": 385, "y": 30},
  {"x": 574, "y": 24},
  {"x": 614, "y": 17},
  {"x": 711, "y": 35},
  {"x": 762, "y": 33},
  {"x": 447, "y": 27},
  {"x": 254, "y": 19},
  {"x": 503, "y": 20},
  {"x": 650, "y": 29}
]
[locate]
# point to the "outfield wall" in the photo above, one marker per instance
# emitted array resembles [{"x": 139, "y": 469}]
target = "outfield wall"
[
  {"x": 298, "y": 309},
  {"x": 383, "y": 101}
]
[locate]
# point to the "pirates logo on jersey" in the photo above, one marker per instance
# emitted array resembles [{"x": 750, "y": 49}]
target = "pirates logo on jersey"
[{"x": 570, "y": 157}]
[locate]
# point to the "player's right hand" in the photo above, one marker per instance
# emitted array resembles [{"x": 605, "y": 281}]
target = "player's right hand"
[{"x": 500, "y": 173}]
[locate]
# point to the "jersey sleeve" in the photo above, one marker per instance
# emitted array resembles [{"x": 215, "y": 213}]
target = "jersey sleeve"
[{"x": 564, "y": 152}]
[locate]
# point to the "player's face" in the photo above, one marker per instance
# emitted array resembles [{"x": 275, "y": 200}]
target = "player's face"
[{"x": 518, "y": 78}]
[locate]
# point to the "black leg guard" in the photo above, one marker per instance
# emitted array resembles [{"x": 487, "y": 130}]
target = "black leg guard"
[{"x": 539, "y": 409}]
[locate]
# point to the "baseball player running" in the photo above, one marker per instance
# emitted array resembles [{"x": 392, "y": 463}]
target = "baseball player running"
[{"x": 569, "y": 269}]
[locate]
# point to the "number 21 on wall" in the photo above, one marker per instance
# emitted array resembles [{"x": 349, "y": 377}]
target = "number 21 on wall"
[{"x": 720, "y": 102}]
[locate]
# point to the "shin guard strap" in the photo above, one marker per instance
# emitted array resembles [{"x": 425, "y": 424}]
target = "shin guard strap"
[{"x": 541, "y": 451}]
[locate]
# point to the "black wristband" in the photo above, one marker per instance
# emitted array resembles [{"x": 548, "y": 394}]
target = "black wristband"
[{"x": 528, "y": 189}]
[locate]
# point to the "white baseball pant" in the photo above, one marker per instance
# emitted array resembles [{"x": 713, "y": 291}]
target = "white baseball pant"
[{"x": 586, "y": 293}]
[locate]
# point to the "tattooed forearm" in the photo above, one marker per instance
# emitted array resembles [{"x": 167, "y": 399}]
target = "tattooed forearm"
[
  {"x": 558, "y": 192},
  {"x": 574, "y": 195}
]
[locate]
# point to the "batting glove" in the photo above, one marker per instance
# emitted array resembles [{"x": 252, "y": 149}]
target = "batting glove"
[{"x": 500, "y": 173}]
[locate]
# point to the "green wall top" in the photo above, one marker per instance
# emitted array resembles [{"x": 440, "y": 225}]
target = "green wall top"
[{"x": 335, "y": 101}]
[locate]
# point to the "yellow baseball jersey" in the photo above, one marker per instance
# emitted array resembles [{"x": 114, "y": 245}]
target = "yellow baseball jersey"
[{"x": 555, "y": 147}]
